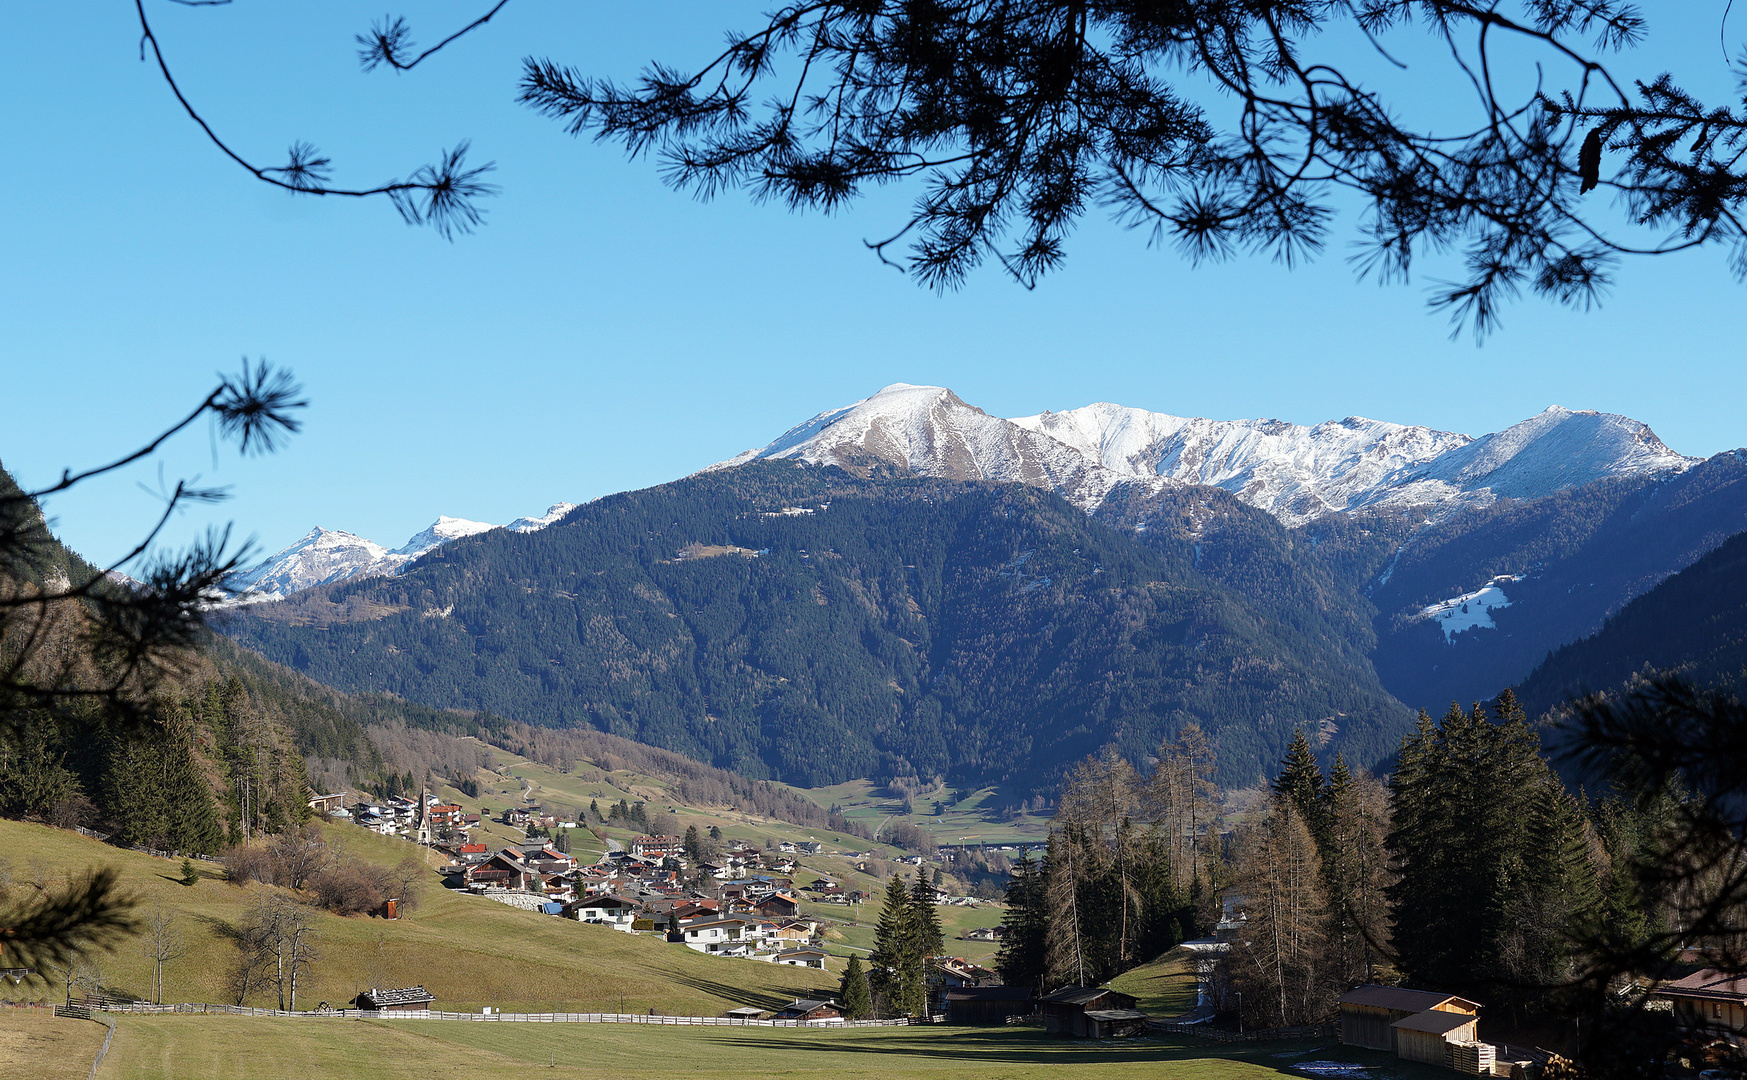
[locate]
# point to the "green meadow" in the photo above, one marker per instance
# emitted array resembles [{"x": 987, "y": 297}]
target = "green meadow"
[{"x": 189, "y": 1047}]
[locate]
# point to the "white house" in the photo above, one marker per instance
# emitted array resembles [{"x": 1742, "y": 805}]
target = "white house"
[
  {"x": 604, "y": 909},
  {"x": 719, "y": 936}
]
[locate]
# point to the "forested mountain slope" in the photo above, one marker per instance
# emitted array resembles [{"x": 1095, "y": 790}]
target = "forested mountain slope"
[
  {"x": 1695, "y": 622},
  {"x": 795, "y": 621},
  {"x": 1577, "y": 556}
]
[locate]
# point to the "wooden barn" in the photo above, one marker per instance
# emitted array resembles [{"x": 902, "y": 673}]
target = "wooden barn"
[
  {"x": 1065, "y": 1011},
  {"x": 406, "y": 997},
  {"x": 1368, "y": 1013},
  {"x": 1427, "y": 1036},
  {"x": 988, "y": 1004}
]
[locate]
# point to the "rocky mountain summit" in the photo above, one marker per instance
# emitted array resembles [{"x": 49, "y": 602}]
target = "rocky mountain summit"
[{"x": 1295, "y": 473}]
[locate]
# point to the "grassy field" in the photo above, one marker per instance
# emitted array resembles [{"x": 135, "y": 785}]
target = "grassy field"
[
  {"x": 854, "y": 929},
  {"x": 971, "y": 820},
  {"x": 467, "y": 950},
  {"x": 35, "y": 1045},
  {"x": 1165, "y": 987},
  {"x": 175, "y": 1047}
]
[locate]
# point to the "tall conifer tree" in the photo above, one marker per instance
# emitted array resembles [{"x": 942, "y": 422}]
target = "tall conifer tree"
[{"x": 852, "y": 991}]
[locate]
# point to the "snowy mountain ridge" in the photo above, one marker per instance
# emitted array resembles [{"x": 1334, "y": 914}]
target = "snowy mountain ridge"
[
  {"x": 325, "y": 556},
  {"x": 1294, "y": 472}
]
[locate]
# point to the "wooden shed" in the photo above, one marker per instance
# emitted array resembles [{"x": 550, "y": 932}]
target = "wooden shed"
[
  {"x": 1115, "y": 1023},
  {"x": 1367, "y": 1013},
  {"x": 988, "y": 1004},
  {"x": 1064, "y": 1012},
  {"x": 1425, "y": 1036}
]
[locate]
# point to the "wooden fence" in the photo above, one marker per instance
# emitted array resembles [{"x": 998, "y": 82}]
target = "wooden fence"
[{"x": 87, "y": 1005}]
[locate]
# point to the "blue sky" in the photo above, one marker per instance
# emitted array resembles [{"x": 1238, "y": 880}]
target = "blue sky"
[{"x": 603, "y": 332}]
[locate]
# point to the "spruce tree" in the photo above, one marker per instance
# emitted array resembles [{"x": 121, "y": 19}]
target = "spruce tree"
[
  {"x": 853, "y": 994},
  {"x": 1024, "y": 928},
  {"x": 1300, "y": 781},
  {"x": 886, "y": 964},
  {"x": 1490, "y": 854},
  {"x": 694, "y": 844},
  {"x": 925, "y": 933}
]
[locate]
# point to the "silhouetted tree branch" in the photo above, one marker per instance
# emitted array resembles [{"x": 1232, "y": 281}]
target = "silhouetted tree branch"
[
  {"x": 1678, "y": 754},
  {"x": 443, "y": 195},
  {"x": 130, "y": 635},
  {"x": 72, "y": 638},
  {"x": 1217, "y": 125},
  {"x": 390, "y": 41}
]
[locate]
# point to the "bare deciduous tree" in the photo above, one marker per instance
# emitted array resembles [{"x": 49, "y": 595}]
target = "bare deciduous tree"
[{"x": 161, "y": 941}]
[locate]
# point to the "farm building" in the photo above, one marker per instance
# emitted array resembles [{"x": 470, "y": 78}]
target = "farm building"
[
  {"x": 1115, "y": 1023},
  {"x": 1065, "y": 1011},
  {"x": 1368, "y": 1013},
  {"x": 1426, "y": 1036},
  {"x": 805, "y": 1009},
  {"x": 987, "y": 1004},
  {"x": 407, "y": 997},
  {"x": 1708, "y": 999}
]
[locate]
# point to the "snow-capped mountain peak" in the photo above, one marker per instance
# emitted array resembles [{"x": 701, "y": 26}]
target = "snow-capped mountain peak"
[
  {"x": 534, "y": 524},
  {"x": 441, "y": 531},
  {"x": 1294, "y": 472},
  {"x": 325, "y": 556},
  {"x": 931, "y": 431}
]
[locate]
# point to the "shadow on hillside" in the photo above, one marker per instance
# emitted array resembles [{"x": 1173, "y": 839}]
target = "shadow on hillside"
[{"x": 767, "y": 999}]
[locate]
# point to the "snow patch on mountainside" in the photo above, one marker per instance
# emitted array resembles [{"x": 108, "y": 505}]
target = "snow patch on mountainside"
[
  {"x": 325, "y": 556},
  {"x": 1294, "y": 472},
  {"x": 1471, "y": 611}
]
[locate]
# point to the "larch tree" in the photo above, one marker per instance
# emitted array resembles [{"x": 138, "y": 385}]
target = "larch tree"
[
  {"x": 1356, "y": 871},
  {"x": 1279, "y": 959}
]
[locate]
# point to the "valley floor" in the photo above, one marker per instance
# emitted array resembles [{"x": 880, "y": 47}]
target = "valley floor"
[{"x": 177, "y": 1047}]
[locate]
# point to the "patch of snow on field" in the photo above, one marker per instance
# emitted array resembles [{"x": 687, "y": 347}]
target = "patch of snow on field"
[
  {"x": 1332, "y": 1068},
  {"x": 1471, "y": 610}
]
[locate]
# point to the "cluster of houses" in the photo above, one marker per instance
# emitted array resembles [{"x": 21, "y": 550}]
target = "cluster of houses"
[
  {"x": 641, "y": 890},
  {"x": 414, "y": 818}
]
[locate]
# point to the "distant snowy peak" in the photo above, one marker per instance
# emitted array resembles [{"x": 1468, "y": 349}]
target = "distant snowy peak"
[
  {"x": 930, "y": 431},
  {"x": 325, "y": 556},
  {"x": 443, "y": 530},
  {"x": 534, "y": 524},
  {"x": 1556, "y": 450},
  {"x": 1294, "y": 472},
  {"x": 322, "y": 557}
]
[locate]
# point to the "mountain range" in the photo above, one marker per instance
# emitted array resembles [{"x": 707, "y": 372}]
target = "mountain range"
[
  {"x": 1296, "y": 473},
  {"x": 325, "y": 556},
  {"x": 909, "y": 583}
]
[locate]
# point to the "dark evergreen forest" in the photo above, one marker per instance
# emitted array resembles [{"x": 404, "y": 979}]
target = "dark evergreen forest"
[
  {"x": 1694, "y": 623},
  {"x": 800, "y": 623}
]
